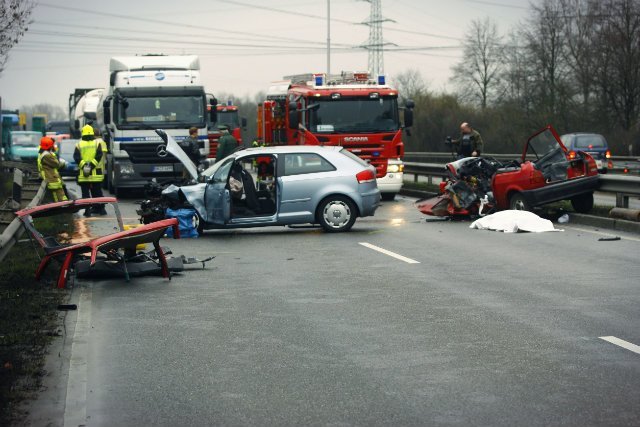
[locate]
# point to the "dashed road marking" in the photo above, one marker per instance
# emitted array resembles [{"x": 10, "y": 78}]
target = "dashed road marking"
[
  {"x": 391, "y": 254},
  {"x": 622, "y": 343}
]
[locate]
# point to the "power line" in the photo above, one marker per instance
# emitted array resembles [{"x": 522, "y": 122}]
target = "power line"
[
  {"x": 490, "y": 3},
  {"x": 158, "y": 21},
  {"x": 193, "y": 42}
]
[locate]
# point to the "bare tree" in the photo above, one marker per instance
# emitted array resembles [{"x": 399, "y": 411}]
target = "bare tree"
[
  {"x": 580, "y": 23},
  {"x": 14, "y": 19},
  {"x": 410, "y": 83},
  {"x": 478, "y": 73},
  {"x": 619, "y": 60},
  {"x": 545, "y": 43}
]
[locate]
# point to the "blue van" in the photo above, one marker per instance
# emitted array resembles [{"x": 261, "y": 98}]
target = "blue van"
[{"x": 591, "y": 143}]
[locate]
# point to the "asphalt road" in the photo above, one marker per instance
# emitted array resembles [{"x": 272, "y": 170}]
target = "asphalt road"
[{"x": 293, "y": 326}]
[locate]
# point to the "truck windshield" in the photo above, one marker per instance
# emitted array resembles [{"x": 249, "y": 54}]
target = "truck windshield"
[
  {"x": 357, "y": 115},
  {"x": 229, "y": 118},
  {"x": 143, "y": 112}
]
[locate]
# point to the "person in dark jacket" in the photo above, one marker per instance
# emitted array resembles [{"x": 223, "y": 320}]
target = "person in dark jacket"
[
  {"x": 226, "y": 144},
  {"x": 191, "y": 147},
  {"x": 470, "y": 143}
]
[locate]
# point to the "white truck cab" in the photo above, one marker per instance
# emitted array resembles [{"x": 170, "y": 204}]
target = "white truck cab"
[{"x": 146, "y": 93}]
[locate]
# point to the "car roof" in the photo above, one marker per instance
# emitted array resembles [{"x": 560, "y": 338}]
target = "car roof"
[
  {"x": 581, "y": 133},
  {"x": 292, "y": 149}
]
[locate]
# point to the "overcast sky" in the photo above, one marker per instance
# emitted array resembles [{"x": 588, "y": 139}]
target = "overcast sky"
[{"x": 243, "y": 45}]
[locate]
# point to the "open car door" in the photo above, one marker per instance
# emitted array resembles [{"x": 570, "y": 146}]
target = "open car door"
[{"x": 217, "y": 198}]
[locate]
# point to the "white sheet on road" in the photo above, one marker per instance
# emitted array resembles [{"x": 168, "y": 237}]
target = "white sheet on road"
[{"x": 513, "y": 221}]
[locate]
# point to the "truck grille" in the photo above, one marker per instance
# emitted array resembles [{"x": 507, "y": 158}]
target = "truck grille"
[{"x": 148, "y": 153}]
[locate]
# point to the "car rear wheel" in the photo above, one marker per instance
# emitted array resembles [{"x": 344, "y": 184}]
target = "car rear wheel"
[
  {"x": 336, "y": 213},
  {"x": 519, "y": 203},
  {"x": 582, "y": 203}
]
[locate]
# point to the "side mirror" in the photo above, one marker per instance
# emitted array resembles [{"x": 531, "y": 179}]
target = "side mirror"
[
  {"x": 106, "y": 111},
  {"x": 243, "y": 122},
  {"x": 294, "y": 116},
  {"x": 213, "y": 111},
  {"x": 410, "y": 104},
  {"x": 408, "y": 118}
]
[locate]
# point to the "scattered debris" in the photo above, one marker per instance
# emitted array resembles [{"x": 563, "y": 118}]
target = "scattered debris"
[
  {"x": 563, "y": 219},
  {"x": 609, "y": 239},
  {"x": 67, "y": 307}
]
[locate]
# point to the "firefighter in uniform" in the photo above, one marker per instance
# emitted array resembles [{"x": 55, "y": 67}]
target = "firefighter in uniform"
[
  {"x": 48, "y": 166},
  {"x": 88, "y": 154}
]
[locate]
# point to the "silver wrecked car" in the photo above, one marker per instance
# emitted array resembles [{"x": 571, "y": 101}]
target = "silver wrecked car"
[{"x": 284, "y": 185}]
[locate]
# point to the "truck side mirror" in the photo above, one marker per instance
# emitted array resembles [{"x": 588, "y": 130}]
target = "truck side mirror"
[
  {"x": 408, "y": 118},
  {"x": 243, "y": 122},
  {"x": 106, "y": 111},
  {"x": 213, "y": 111},
  {"x": 408, "y": 113},
  {"x": 294, "y": 116}
]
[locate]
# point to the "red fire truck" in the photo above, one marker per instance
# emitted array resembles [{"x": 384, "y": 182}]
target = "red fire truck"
[
  {"x": 350, "y": 109},
  {"x": 228, "y": 115}
]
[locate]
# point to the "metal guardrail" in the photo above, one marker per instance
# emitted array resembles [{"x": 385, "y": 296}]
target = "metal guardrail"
[
  {"x": 14, "y": 230},
  {"x": 621, "y": 164},
  {"x": 623, "y": 186}
]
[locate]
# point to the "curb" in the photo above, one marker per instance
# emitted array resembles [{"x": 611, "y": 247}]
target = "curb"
[{"x": 574, "y": 218}]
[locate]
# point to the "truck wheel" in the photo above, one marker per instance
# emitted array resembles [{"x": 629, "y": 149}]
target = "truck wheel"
[
  {"x": 388, "y": 197},
  {"x": 519, "y": 203},
  {"x": 582, "y": 203},
  {"x": 336, "y": 213}
]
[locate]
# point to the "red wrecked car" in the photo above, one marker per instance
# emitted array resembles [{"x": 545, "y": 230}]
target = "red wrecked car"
[{"x": 546, "y": 173}]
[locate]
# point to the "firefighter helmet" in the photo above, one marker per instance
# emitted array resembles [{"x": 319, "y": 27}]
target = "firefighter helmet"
[
  {"x": 46, "y": 143},
  {"x": 87, "y": 130}
]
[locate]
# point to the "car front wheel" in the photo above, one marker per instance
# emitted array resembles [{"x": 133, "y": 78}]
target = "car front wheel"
[
  {"x": 336, "y": 213},
  {"x": 582, "y": 203},
  {"x": 519, "y": 203}
]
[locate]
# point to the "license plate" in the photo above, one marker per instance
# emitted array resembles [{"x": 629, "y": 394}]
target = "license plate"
[
  {"x": 163, "y": 168},
  {"x": 599, "y": 164}
]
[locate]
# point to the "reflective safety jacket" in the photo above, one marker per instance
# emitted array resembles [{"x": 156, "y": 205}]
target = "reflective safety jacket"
[
  {"x": 88, "y": 152},
  {"x": 48, "y": 166}
]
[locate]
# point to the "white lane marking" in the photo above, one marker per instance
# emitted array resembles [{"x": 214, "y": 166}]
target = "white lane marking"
[
  {"x": 391, "y": 254},
  {"x": 600, "y": 233},
  {"x": 75, "y": 412},
  {"x": 622, "y": 343}
]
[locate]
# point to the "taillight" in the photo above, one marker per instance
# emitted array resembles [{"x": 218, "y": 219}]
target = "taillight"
[
  {"x": 572, "y": 155},
  {"x": 607, "y": 154},
  {"x": 365, "y": 176}
]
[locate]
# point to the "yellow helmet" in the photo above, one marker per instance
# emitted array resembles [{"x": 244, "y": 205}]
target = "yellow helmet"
[{"x": 87, "y": 130}]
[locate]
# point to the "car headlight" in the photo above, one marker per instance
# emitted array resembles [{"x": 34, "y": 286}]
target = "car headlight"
[
  {"x": 395, "y": 168},
  {"x": 126, "y": 169}
]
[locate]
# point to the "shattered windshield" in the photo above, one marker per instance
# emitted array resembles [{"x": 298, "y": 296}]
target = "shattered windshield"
[
  {"x": 353, "y": 115},
  {"x": 542, "y": 144}
]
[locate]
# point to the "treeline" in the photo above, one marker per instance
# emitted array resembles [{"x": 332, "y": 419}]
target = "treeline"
[{"x": 574, "y": 64}]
